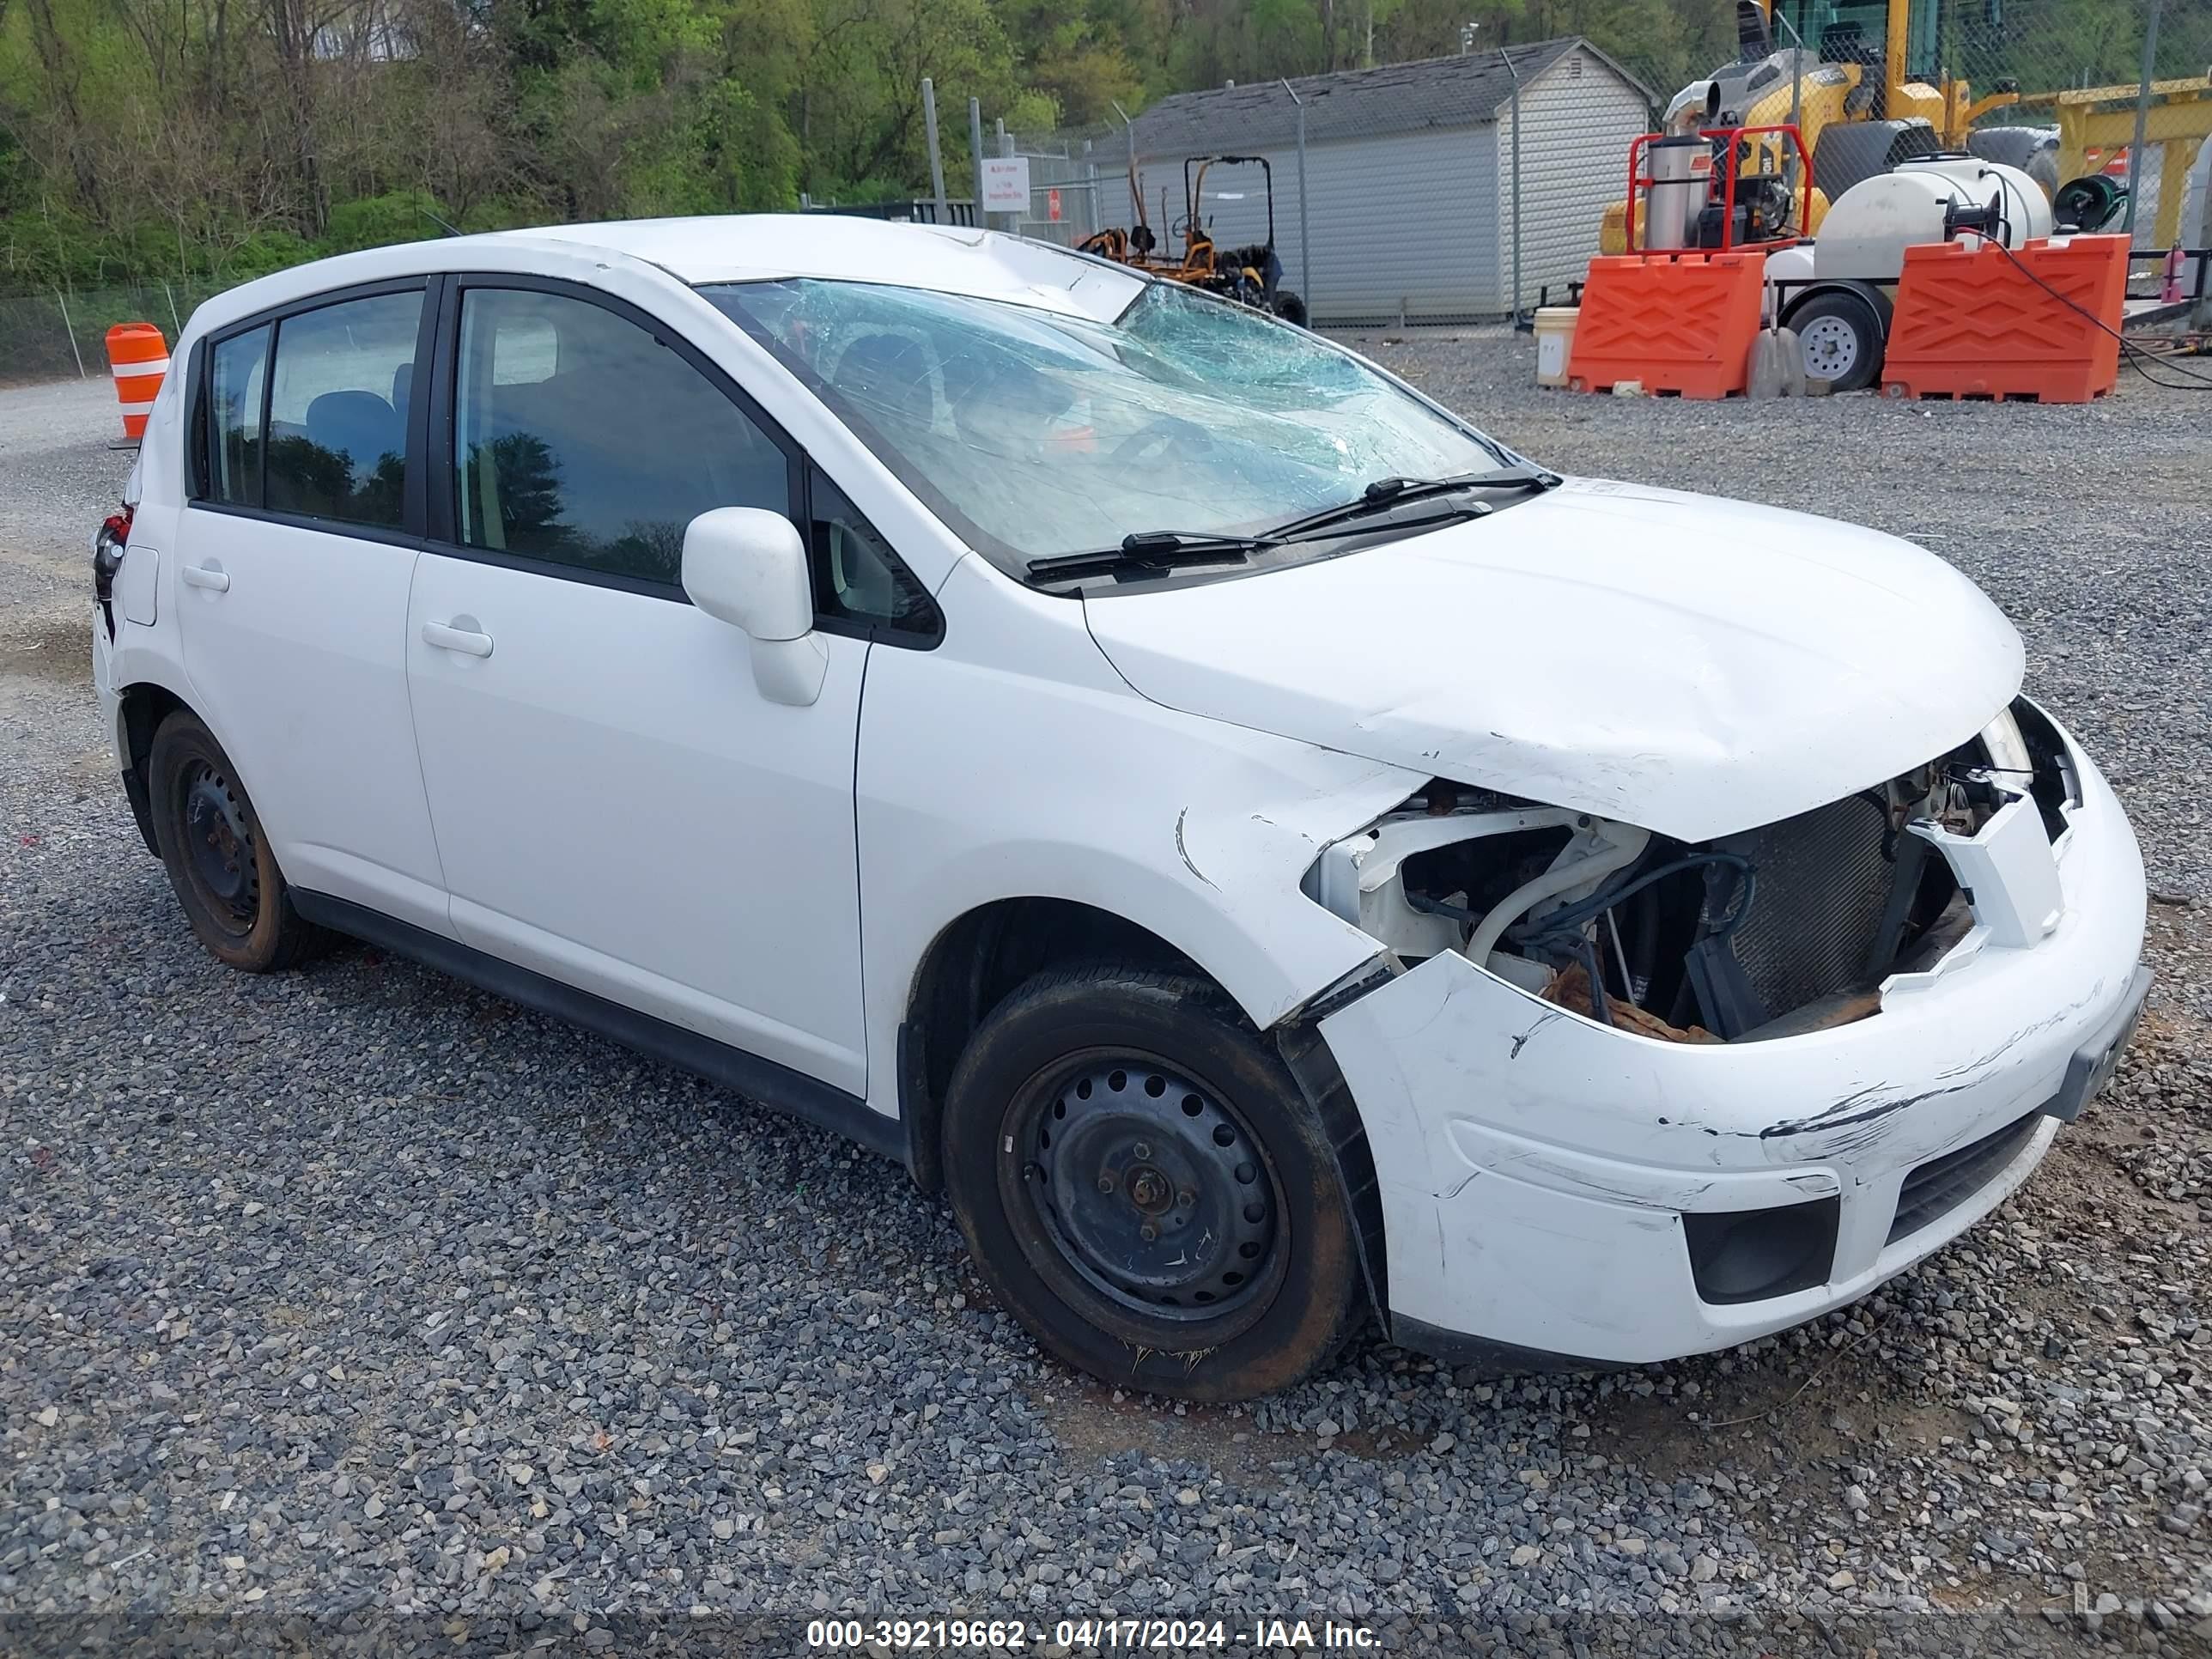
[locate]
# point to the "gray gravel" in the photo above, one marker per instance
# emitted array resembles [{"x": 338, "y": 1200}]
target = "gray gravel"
[{"x": 354, "y": 1296}]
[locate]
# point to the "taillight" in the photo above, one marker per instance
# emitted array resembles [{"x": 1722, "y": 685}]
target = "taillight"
[{"x": 108, "y": 545}]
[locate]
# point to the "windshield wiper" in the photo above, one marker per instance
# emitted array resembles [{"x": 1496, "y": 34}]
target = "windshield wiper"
[
  {"x": 1151, "y": 552},
  {"x": 1385, "y": 494}
]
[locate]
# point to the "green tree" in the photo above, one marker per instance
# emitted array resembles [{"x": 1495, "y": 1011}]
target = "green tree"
[{"x": 217, "y": 139}]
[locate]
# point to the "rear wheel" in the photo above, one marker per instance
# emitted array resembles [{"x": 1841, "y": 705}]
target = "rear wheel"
[
  {"x": 218, "y": 860},
  {"x": 1290, "y": 307},
  {"x": 1841, "y": 334},
  {"x": 1143, "y": 1186}
]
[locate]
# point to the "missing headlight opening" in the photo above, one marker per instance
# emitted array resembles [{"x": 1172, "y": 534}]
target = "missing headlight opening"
[{"x": 1768, "y": 932}]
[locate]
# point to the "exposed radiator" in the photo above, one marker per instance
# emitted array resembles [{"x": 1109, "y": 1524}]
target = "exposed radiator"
[{"x": 1821, "y": 893}]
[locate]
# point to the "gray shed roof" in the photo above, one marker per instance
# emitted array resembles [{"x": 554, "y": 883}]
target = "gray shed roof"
[{"x": 1463, "y": 91}]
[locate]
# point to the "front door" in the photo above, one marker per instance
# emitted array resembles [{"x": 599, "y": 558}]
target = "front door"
[
  {"x": 617, "y": 805},
  {"x": 292, "y": 575}
]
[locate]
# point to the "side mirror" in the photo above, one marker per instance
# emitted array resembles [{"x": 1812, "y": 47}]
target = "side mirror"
[{"x": 746, "y": 566}]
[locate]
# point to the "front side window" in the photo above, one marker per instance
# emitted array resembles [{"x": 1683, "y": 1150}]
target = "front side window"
[
  {"x": 1034, "y": 432},
  {"x": 337, "y": 409},
  {"x": 857, "y": 577},
  {"x": 237, "y": 378},
  {"x": 579, "y": 439}
]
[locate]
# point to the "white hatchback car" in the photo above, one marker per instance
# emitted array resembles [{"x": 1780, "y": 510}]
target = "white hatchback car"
[{"x": 1276, "y": 857}]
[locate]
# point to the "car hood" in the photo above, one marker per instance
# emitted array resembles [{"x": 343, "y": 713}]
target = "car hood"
[{"x": 1691, "y": 665}]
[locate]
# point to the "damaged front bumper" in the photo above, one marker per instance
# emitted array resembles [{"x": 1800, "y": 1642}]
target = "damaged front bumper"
[{"x": 1553, "y": 1188}]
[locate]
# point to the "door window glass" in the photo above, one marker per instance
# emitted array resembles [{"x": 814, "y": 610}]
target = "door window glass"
[
  {"x": 240, "y": 367},
  {"x": 579, "y": 439},
  {"x": 857, "y": 577},
  {"x": 337, "y": 413}
]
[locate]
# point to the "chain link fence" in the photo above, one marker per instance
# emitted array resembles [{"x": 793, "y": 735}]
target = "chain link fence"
[
  {"x": 1075, "y": 190},
  {"x": 1448, "y": 190},
  {"x": 2047, "y": 46},
  {"x": 61, "y": 333},
  {"x": 2122, "y": 88},
  {"x": 1397, "y": 199},
  {"x": 2074, "y": 72},
  {"x": 1425, "y": 193}
]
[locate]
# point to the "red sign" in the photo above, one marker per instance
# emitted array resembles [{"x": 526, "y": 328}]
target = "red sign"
[{"x": 1052, "y": 205}]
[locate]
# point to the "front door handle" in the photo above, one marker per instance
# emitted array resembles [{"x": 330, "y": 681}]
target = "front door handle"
[
  {"x": 466, "y": 641},
  {"x": 212, "y": 577}
]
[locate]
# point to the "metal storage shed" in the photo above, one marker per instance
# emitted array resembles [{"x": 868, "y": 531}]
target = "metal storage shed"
[{"x": 1411, "y": 173}]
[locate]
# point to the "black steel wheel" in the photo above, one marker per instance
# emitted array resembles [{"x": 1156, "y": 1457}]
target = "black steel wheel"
[
  {"x": 219, "y": 862},
  {"x": 1146, "y": 1185},
  {"x": 1142, "y": 1185},
  {"x": 221, "y": 857}
]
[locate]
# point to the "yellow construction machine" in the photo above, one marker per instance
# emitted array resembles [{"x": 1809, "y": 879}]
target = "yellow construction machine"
[{"x": 1841, "y": 71}]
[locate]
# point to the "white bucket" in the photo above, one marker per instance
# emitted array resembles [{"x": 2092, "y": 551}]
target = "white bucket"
[{"x": 1555, "y": 340}]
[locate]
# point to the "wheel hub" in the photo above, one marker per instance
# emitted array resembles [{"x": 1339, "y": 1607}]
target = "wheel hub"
[
  {"x": 219, "y": 844},
  {"x": 1151, "y": 1189},
  {"x": 1831, "y": 346}
]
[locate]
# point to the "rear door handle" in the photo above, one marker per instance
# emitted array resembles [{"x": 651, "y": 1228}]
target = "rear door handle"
[
  {"x": 213, "y": 577},
  {"x": 465, "y": 640}
]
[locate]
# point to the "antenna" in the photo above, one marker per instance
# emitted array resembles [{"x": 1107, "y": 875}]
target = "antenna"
[{"x": 440, "y": 223}]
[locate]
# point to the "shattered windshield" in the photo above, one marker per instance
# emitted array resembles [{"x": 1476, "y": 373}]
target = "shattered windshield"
[{"x": 1033, "y": 434}]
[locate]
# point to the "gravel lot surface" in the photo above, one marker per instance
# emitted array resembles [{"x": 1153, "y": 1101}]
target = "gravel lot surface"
[{"x": 352, "y": 1296}]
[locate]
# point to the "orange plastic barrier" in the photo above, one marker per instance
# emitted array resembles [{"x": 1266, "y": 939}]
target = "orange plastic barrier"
[
  {"x": 138, "y": 357},
  {"x": 1971, "y": 323},
  {"x": 1681, "y": 322}
]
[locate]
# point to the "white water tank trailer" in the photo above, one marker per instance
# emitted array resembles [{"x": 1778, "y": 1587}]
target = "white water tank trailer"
[
  {"x": 1838, "y": 289},
  {"x": 1870, "y": 225}
]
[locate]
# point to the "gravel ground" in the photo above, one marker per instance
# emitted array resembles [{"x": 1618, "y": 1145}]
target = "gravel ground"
[{"x": 355, "y": 1297}]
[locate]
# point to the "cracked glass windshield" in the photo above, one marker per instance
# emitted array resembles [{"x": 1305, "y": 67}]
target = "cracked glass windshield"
[{"x": 1034, "y": 433}]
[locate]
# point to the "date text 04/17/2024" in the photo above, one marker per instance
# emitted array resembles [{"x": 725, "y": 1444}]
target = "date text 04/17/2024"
[{"x": 1088, "y": 1635}]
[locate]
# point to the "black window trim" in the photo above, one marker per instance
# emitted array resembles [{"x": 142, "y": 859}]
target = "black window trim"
[
  {"x": 199, "y": 435},
  {"x": 443, "y": 533},
  {"x": 926, "y": 636},
  {"x": 408, "y": 533},
  {"x": 427, "y": 523},
  {"x": 204, "y": 428}
]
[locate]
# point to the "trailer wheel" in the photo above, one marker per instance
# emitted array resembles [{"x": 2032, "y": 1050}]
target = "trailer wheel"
[{"x": 1842, "y": 336}]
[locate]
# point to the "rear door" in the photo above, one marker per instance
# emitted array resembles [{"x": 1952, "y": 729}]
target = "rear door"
[
  {"x": 616, "y": 804},
  {"x": 295, "y": 558}
]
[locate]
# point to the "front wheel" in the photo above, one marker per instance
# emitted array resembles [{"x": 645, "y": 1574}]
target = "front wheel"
[
  {"x": 1142, "y": 1184},
  {"x": 1841, "y": 334}
]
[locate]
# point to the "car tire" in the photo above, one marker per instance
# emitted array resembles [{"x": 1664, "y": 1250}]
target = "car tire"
[
  {"x": 219, "y": 862},
  {"x": 1142, "y": 1184},
  {"x": 1842, "y": 336}
]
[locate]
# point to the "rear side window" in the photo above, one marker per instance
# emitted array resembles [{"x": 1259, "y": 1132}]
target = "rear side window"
[
  {"x": 580, "y": 440},
  {"x": 337, "y": 411},
  {"x": 236, "y": 382}
]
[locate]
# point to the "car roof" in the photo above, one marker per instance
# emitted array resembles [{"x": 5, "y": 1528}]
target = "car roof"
[
  {"x": 749, "y": 248},
  {"x": 753, "y": 246}
]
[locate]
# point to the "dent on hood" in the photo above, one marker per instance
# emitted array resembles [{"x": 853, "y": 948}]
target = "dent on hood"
[{"x": 1693, "y": 666}]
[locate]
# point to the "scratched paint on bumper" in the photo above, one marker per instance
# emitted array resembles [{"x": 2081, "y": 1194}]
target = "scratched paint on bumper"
[{"x": 1534, "y": 1165}]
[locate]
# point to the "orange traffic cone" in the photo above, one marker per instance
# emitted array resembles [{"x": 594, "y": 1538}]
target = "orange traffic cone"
[{"x": 138, "y": 356}]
